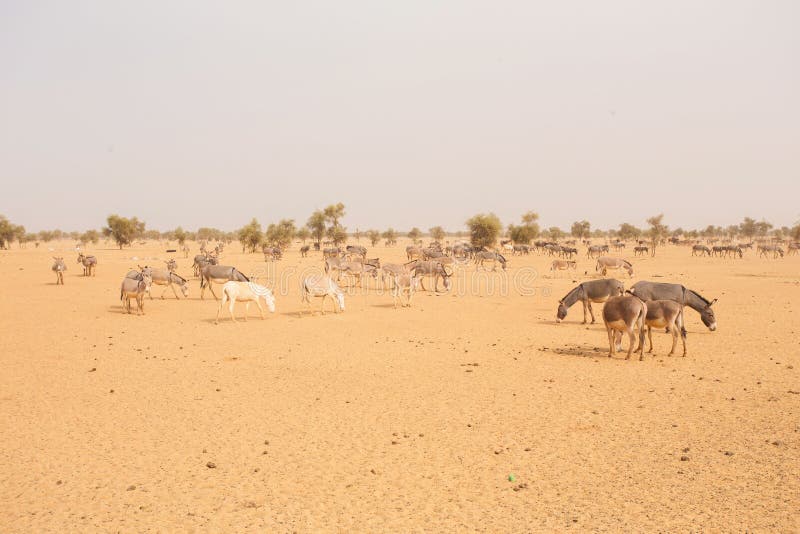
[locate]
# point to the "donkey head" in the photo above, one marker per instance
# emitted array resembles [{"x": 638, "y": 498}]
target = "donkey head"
[
  {"x": 707, "y": 316},
  {"x": 562, "y": 311}
]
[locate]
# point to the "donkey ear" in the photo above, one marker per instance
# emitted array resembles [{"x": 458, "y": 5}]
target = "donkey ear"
[{"x": 712, "y": 303}]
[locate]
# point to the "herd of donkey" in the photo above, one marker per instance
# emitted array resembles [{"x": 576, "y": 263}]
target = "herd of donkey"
[{"x": 644, "y": 306}]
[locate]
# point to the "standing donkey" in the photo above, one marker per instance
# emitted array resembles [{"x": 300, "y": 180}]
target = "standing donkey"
[
  {"x": 59, "y": 267},
  {"x": 89, "y": 264}
]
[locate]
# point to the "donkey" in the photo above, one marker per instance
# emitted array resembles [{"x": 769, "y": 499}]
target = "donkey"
[
  {"x": 588, "y": 292},
  {"x": 624, "y": 314},
  {"x": 172, "y": 265},
  {"x": 641, "y": 250},
  {"x": 201, "y": 260},
  {"x": 246, "y": 292},
  {"x": 665, "y": 314},
  {"x": 413, "y": 252},
  {"x": 685, "y": 297},
  {"x": 322, "y": 286},
  {"x": 433, "y": 269},
  {"x": 605, "y": 263},
  {"x": 89, "y": 264},
  {"x": 701, "y": 250},
  {"x": 219, "y": 274},
  {"x": 185, "y": 250},
  {"x": 403, "y": 284},
  {"x": 169, "y": 280},
  {"x": 563, "y": 265},
  {"x": 59, "y": 267},
  {"x": 134, "y": 286},
  {"x": 272, "y": 253},
  {"x": 390, "y": 270},
  {"x": 304, "y": 250},
  {"x": 493, "y": 257},
  {"x": 595, "y": 251}
]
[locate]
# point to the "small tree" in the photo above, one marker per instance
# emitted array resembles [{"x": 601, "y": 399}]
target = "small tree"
[
  {"x": 628, "y": 231},
  {"x": 484, "y": 229},
  {"x": 762, "y": 227},
  {"x": 123, "y": 230},
  {"x": 390, "y": 235},
  {"x": 250, "y": 236},
  {"x": 281, "y": 234},
  {"x": 555, "y": 233},
  {"x": 414, "y": 234},
  {"x": 180, "y": 235},
  {"x": 657, "y": 232},
  {"x": 748, "y": 228},
  {"x": 333, "y": 213},
  {"x": 316, "y": 224},
  {"x": 581, "y": 229},
  {"x": 337, "y": 234},
  {"x": 374, "y": 236},
  {"x": 303, "y": 234},
  {"x": 7, "y": 232},
  {"x": 437, "y": 233},
  {"x": 795, "y": 232},
  {"x": 90, "y": 236}
]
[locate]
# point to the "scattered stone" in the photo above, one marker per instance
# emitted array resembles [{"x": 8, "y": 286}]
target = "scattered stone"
[
  {"x": 131, "y": 488},
  {"x": 684, "y": 458},
  {"x": 93, "y": 369},
  {"x": 211, "y": 465}
]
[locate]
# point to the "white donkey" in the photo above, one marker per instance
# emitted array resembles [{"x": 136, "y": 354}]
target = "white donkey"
[
  {"x": 247, "y": 292},
  {"x": 322, "y": 286}
]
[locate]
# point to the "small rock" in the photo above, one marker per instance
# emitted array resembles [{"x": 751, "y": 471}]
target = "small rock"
[
  {"x": 93, "y": 369},
  {"x": 131, "y": 488},
  {"x": 211, "y": 465},
  {"x": 684, "y": 458}
]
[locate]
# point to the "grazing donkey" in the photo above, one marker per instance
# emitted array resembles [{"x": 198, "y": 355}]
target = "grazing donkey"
[
  {"x": 169, "y": 280},
  {"x": 641, "y": 250},
  {"x": 592, "y": 291},
  {"x": 59, "y": 267},
  {"x": 605, "y": 263},
  {"x": 432, "y": 269},
  {"x": 665, "y": 314},
  {"x": 624, "y": 314},
  {"x": 701, "y": 250},
  {"x": 563, "y": 265},
  {"x": 322, "y": 286},
  {"x": 219, "y": 274},
  {"x": 595, "y": 251},
  {"x": 493, "y": 257},
  {"x": 89, "y": 264},
  {"x": 247, "y": 292},
  {"x": 685, "y": 297}
]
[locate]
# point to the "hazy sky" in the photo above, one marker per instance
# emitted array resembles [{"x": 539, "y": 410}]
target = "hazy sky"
[{"x": 410, "y": 112}]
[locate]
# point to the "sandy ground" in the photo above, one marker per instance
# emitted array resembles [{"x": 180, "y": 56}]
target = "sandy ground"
[{"x": 388, "y": 420}]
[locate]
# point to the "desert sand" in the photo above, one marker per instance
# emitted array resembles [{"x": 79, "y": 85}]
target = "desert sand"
[{"x": 393, "y": 420}]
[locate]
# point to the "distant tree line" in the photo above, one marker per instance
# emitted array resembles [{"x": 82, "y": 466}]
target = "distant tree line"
[{"x": 325, "y": 225}]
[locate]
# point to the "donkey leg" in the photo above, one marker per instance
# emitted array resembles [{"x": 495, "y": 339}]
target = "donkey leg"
[
  {"x": 650, "y": 340},
  {"x": 675, "y": 335},
  {"x": 610, "y": 333},
  {"x": 631, "y": 342}
]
